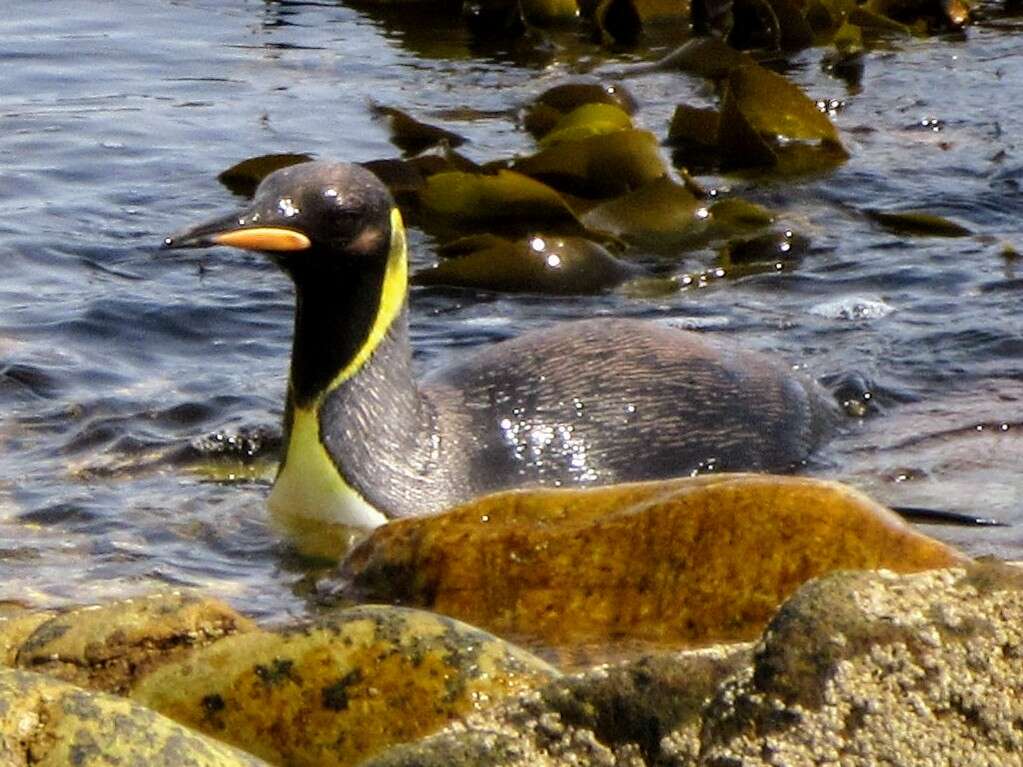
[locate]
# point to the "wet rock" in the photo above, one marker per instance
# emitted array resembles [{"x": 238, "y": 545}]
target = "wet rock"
[
  {"x": 342, "y": 689},
  {"x": 16, "y": 625},
  {"x": 48, "y": 723},
  {"x": 674, "y": 563},
  {"x": 873, "y": 668},
  {"x": 856, "y": 669},
  {"x": 107, "y": 647},
  {"x": 609, "y": 715}
]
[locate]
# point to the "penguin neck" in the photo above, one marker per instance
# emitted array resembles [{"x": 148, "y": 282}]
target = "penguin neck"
[
  {"x": 342, "y": 319},
  {"x": 334, "y": 322}
]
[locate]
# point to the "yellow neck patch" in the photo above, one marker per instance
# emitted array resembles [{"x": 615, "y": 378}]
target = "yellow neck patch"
[
  {"x": 311, "y": 502},
  {"x": 392, "y": 299}
]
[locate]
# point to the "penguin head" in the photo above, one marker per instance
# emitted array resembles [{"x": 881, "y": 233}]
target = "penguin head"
[{"x": 310, "y": 218}]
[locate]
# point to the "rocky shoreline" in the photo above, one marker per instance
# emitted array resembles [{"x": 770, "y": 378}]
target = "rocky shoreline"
[{"x": 859, "y": 666}]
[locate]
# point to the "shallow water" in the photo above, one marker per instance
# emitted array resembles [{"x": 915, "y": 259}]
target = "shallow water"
[{"x": 117, "y": 362}]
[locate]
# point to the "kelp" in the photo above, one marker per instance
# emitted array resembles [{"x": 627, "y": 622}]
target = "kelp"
[
  {"x": 546, "y": 110},
  {"x": 659, "y": 214},
  {"x": 585, "y": 121},
  {"x": 936, "y": 15},
  {"x": 768, "y": 121},
  {"x": 694, "y": 126},
  {"x": 568, "y": 96},
  {"x": 918, "y": 222},
  {"x": 664, "y": 215},
  {"x": 776, "y": 107},
  {"x": 598, "y": 166},
  {"x": 406, "y": 178},
  {"x": 621, "y": 22},
  {"x": 540, "y": 263},
  {"x": 244, "y": 177},
  {"x": 707, "y": 57},
  {"x": 490, "y": 20},
  {"x": 503, "y": 199},
  {"x": 412, "y": 136},
  {"x": 769, "y": 251},
  {"x": 846, "y": 59},
  {"x": 544, "y": 12},
  {"x": 777, "y": 25}
]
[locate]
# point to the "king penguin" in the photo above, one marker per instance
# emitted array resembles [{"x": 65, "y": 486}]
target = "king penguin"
[{"x": 581, "y": 403}]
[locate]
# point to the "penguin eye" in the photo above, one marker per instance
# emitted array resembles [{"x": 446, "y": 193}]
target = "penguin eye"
[{"x": 347, "y": 219}]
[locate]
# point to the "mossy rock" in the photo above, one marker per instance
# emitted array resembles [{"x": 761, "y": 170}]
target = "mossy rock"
[
  {"x": 48, "y": 723},
  {"x": 341, "y": 689},
  {"x": 107, "y": 647},
  {"x": 16, "y": 625}
]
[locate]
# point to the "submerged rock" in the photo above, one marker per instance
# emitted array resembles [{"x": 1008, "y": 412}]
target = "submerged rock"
[
  {"x": 342, "y": 689},
  {"x": 107, "y": 647},
  {"x": 673, "y": 563},
  {"x": 48, "y": 723}
]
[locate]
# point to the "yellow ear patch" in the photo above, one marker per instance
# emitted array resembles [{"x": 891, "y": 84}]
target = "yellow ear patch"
[{"x": 264, "y": 238}]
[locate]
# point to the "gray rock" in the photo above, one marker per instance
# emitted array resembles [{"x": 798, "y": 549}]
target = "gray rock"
[
  {"x": 872, "y": 668},
  {"x": 609, "y": 715}
]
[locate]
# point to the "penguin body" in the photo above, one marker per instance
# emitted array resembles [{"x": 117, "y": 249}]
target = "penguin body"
[{"x": 589, "y": 402}]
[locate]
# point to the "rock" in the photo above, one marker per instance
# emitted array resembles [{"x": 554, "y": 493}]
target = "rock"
[
  {"x": 48, "y": 723},
  {"x": 856, "y": 669},
  {"x": 873, "y": 668},
  {"x": 16, "y": 625},
  {"x": 608, "y": 715},
  {"x": 107, "y": 647},
  {"x": 673, "y": 563},
  {"x": 341, "y": 689}
]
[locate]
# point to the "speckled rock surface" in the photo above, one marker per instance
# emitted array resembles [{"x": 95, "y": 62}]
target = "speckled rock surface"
[
  {"x": 875, "y": 669},
  {"x": 16, "y": 625},
  {"x": 48, "y": 723},
  {"x": 609, "y": 715},
  {"x": 106, "y": 647},
  {"x": 856, "y": 669},
  {"x": 341, "y": 689}
]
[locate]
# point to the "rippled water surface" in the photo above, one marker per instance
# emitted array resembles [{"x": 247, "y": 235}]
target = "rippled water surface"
[{"x": 124, "y": 370}]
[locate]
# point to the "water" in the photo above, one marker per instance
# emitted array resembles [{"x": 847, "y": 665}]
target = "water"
[{"x": 118, "y": 362}]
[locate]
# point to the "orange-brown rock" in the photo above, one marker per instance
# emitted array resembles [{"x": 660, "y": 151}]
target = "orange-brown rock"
[
  {"x": 680, "y": 562},
  {"x": 106, "y": 647},
  {"x": 343, "y": 688}
]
